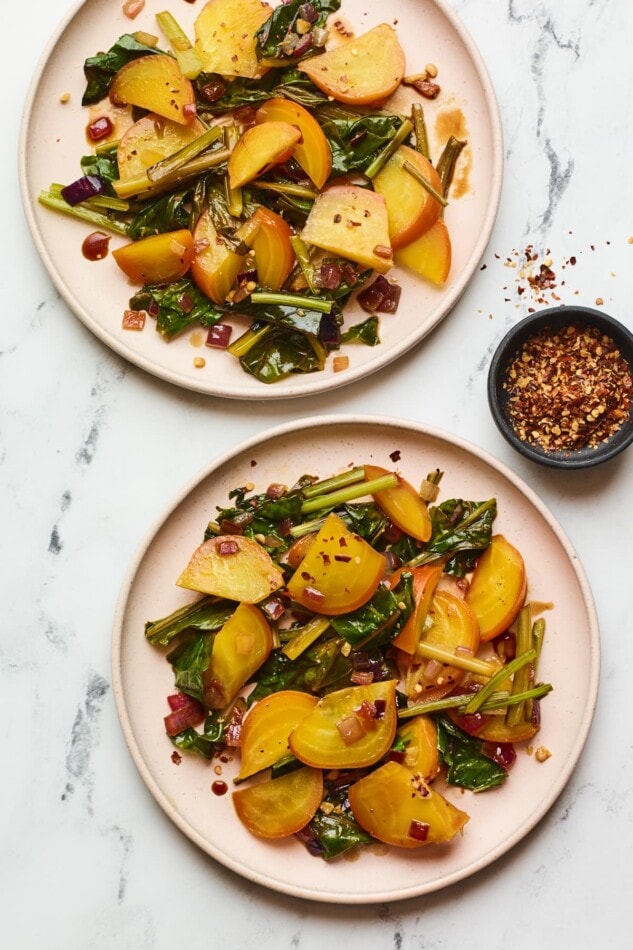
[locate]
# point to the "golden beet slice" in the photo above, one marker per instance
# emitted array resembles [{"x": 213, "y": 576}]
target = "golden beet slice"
[
  {"x": 430, "y": 255},
  {"x": 239, "y": 649},
  {"x": 155, "y": 83},
  {"x": 282, "y": 806},
  {"x": 151, "y": 139},
  {"x": 234, "y": 567},
  {"x": 225, "y": 36},
  {"x": 313, "y": 152},
  {"x": 158, "y": 259},
  {"x": 425, "y": 580},
  {"x": 421, "y": 755},
  {"x": 498, "y": 587},
  {"x": 259, "y": 149},
  {"x": 363, "y": 70},
  {"x": 349, "y": 728},
  {"x": 411, "y": 209},
  {"x": 396, "y": 806},
  {"x": 265, "y": 731},
  {"x": 339, "y": 572},
  {"x": 215, "y": 266},
  {"x": 402, "y": 505},
  {"x": 351, "y": 221}
]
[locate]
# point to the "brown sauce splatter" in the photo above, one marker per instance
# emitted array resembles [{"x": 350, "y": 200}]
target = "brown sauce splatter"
[{"x": 453, "y": 122}]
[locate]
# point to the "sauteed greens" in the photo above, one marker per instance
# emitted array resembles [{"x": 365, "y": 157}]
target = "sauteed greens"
[
  {"x": 357, "y": 648},
  {"x": 262, "y": 179}
]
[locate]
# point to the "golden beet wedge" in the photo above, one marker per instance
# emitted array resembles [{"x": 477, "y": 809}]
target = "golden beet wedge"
[
  {"x": 155, "y": 83},
  {"x": 234, "y": 567},
  {"x": 158, "y": 259},
  {"x": 498, "y": 587},
  {"x": 339, "y": 573},
  {"x": 363, "y": 70},
  {"x": 239, "y": 649}
]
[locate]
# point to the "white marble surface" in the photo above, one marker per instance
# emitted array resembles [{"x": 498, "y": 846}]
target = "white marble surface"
[{"x": 91, "y": 448}]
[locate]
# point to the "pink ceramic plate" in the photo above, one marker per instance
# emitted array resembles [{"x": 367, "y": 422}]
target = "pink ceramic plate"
[
  {"x": 500, "y": 818},
  {"x": 53, "y": 140}
]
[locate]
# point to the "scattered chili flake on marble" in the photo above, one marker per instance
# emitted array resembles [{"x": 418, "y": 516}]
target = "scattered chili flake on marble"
[{"x": 568, "y": 389}]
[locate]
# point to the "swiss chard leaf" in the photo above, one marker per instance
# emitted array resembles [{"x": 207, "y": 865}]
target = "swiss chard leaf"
[
  {"x": 189, "y": 660},
  {"x": 205, "y": 742},
  {"x": 168, "y": 213},
  {"x": 461, "y": 530},
  {"x": 378, "y": 621},
  {"x": 104, "y": 165},
  {"x": 239, "y": 92},
  {"x": 337, "y": 833},
  {"x": 171, "y": 318},
  {"x": 101, "y": 69},
  {"x": 365, "y": 332},
  {"x": 207, "y": 614},
  {"x": 303, "y": 319},
  {"x": 281, "y": 352},
  {"x": 309, "y": 672},
  {"x": 466, "y": 764},
  {"x": 355, "y": 142}
]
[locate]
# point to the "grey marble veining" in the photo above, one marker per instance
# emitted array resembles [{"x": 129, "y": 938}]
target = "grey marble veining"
[{"x": 91, "y": 448}]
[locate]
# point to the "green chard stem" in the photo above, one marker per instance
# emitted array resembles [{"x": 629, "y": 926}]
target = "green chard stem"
[
  {"x": 234, "y": 196},
  {"x": 447, "y": 161},
  {"x": 383, "y": 157},
  {"x": 427, "y": 557},
  {"x": 56, "y": 203},
  {"x": 521, "y": 679},
  {"x": 142, "y": 187},
  {"x": 507, "y": 670},
  {"x": 419, "y": 125},
  {"x": 497, "y": 700},
  {"x": 305, "y": 263},
  {"x": 343, "y": 495},
  {"x": 419, "y": 177},
  {"x": 171, "y": 164},
  {"x": 305, "y": 636},
  {"x": 243, "y": 344},
  {"x": 292, "y": 300},
  {"x": 306, "y": 527},
  {"x": 186, "y": 56},
  {"x": 462, "y": 661},
  {"x": 286, "y": 188},
  {"x": 337, "y": 481}
]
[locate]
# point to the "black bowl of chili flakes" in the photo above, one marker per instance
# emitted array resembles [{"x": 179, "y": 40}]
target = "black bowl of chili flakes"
[{"x": 560, "y": 387}]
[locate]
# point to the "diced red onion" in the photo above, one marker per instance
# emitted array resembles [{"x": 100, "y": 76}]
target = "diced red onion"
[
  {"x": 360, "y": 662},
  {"x": 362, "y": 679},
  {"x": 310, "y": 841},
  {"x": 133, "y": 319},
  {"x": 472, "y": 723},
  {"x": 219, "y": 336},
  {"x": 247, "y": 276},
  {"x": 83, "y": 188},
  {"x": 189, "y": 109},
  {"x": 503, "y": 753},
  {"x": 132, "y": 8},
  {"x": 228, "y": 547},
  {"x": 308, "y": 13},
  {"x": 330, "y": 275},
  {"x": 178, "y": 700},
  {"x": 329, "y": 330},
  {"x": 212, "y": 91},
  {"x": 381, "y": 296},
  {"x": 350, "y": 729},
  {"x": 380, "y": 705},
  {"x": 233, "y": 729},
  {"x": 366, "y": 710},
  {"x": 396, "y": 755},
  {"x": 184, "y": 718},
  {"x": 185, "y": 303},
  {"x": 100, "y": 128},
  {"x": 432, "y": 670},
  {"x": 276, "y": 490},
  {"x": 536, "y": 713},
  {"x": 506, "y": 646},
  {"x": 274, "y": 608},
  {"x": 419, "y": 830}
]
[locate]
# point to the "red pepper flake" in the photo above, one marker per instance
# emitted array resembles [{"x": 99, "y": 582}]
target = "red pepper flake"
[
  {"x": 395, "y": 456},
  {"x": 568, "y": 389},
  {"x": 176, "y": 757}
]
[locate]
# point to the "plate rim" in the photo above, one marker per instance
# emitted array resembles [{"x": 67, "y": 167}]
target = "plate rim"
[
  {"x": 302, "y": 385},
  {"x": 594, "y": 657}
]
